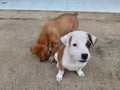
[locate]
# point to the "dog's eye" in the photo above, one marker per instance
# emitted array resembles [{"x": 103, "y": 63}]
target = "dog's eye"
[
  {"x": 74, "y": 44},
  {"x": 88, "y": 44}
]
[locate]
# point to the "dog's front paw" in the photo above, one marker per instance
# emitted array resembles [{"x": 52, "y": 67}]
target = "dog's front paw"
[
  {"x": 51, "y": 59},
  {"x": 59, "y": 76},
  {"x": 81, "y": 73}
]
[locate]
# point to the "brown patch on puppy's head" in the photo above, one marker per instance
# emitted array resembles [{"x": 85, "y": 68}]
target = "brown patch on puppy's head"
[
  {"x": 70, "y": 40},
  {"x": 40, "y": 50},
  {"x": 92, "y": 39}
]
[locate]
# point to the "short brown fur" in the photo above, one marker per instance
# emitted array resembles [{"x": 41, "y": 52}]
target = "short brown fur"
[
  {"x": 51, "y": 33},
  {"x": 60, "y": 56}
]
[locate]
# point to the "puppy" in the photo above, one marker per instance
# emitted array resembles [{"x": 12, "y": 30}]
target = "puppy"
[
  {"x": 49, "y": 38},
  {"x": 74, "y": 54}
]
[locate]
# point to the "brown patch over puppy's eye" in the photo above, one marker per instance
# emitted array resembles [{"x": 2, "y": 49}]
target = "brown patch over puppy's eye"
[{"x": 88, "y": 44}]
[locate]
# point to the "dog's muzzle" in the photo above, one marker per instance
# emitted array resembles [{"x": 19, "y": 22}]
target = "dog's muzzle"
[{"x": 84, "y": 58}]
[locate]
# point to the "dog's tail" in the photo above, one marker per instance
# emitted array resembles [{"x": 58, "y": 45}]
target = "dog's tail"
[{"x": 76, "y": 14}]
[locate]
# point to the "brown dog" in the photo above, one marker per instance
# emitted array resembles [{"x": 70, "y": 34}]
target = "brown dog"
[{"x": 49, "y": 38}]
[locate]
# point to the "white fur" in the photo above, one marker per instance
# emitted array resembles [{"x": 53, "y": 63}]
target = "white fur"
[
  {"x": 80, "y": 38},
  {"x": 72, "y": 55},
  {"x": 80, "y": 73},
  {"x": 69, "y": 63},
  {"x": 59, "y": 76},
  {"x": 56, "y": 59}
]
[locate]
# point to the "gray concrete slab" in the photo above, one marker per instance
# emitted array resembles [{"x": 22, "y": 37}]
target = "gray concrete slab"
[{"x": 20, "y": 70}]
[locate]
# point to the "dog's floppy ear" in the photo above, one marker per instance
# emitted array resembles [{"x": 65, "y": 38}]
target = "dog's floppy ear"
[
  {"x": 66, "y": 39},
  {"x": 92, "y": 39}
]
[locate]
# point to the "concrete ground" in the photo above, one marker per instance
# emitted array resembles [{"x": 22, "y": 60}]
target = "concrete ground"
[{"x": 20, "y": 70}]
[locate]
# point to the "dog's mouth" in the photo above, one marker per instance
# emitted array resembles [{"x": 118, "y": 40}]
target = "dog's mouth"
[{"x": 82, "y": 60}]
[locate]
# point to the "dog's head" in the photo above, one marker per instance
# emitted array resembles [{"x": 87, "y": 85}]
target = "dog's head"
[
  {"x": 40, "y": 50},
  {"x": 78, "y": 44}
]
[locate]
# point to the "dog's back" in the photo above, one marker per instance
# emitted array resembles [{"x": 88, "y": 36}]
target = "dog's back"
[
  {"x": 52, "y": 31},
  {"x": 63, "y": 24},
  {"x": 66, "y": 15}
]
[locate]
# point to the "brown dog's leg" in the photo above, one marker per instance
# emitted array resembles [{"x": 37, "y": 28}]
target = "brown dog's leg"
[
  {"x": 54, "y": 49},
  {"x": 54, "y": 46}
]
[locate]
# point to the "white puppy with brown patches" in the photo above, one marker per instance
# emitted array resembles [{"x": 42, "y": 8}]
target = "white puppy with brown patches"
[{"x": 74, "y": 54}]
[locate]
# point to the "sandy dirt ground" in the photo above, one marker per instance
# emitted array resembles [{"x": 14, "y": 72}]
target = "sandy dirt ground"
[{"x": 20, "y": 70}]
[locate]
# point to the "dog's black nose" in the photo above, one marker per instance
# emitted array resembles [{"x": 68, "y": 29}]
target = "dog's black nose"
[{"x": 84, "y": 56}]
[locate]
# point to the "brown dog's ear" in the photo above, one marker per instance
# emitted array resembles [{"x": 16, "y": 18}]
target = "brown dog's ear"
[
  {"x": 35, "y": 49},
  {"x": 66, "y": 39},
  {"x": 92, "y": 39}
]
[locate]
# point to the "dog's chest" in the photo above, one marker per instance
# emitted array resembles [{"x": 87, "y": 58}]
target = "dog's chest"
[{"x": 70, "y": 64}]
